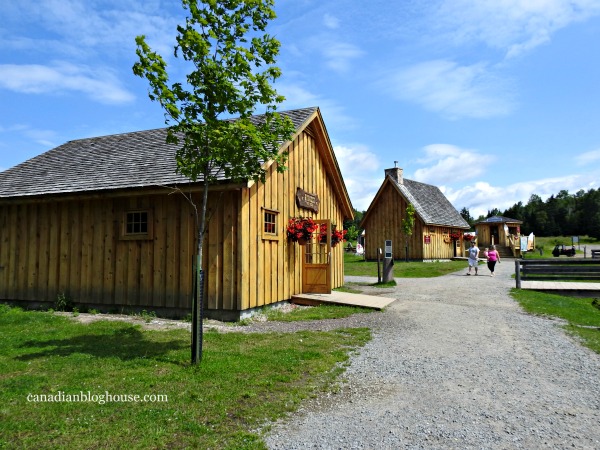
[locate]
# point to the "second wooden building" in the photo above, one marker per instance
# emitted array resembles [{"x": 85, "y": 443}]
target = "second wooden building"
[{"x": 439, "y": 228}]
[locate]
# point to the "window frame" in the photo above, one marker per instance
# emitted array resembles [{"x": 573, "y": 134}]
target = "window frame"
[
  {"x": 139, "y": 236},
  {"x": 276, "y": 234}
]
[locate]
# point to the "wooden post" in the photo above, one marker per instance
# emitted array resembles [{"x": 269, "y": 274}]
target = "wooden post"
[{"x": 378, "y": 263}]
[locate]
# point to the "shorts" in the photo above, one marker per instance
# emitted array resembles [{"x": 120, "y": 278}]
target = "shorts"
[{"x": 473, "y": 262}]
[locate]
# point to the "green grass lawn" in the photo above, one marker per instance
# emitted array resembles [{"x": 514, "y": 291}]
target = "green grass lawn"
[
  {"x": 546, "y": 244},
  {"x": 582, "y": 317},
  {"x": 320, "y": 312},
  {"x": 244, "y": 381},
  {"x": 355, "y": 265}
]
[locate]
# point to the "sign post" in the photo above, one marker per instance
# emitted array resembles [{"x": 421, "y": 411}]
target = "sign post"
[{"x": 388, "y": 263}]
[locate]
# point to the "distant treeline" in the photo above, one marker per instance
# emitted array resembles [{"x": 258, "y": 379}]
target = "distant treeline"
[{"x": 563, "y": 214}]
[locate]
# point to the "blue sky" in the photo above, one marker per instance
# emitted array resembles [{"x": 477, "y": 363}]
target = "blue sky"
[{"x": 490, "y": 100}]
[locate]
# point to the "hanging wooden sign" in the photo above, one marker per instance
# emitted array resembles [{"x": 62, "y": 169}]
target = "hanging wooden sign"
[{"x": 307, "y": 200}]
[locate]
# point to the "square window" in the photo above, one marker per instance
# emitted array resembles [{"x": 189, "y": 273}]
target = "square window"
[
  {"x": 137, "y": 222},
  {"x": 137, "y": 225},
  {"x": 270, "y": 223}
]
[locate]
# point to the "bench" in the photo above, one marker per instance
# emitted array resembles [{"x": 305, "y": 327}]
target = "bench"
[
  {"x": 587, "y": 270},
  {"x": 349, "y": 248},
  {"x": 595, "y": 254}
]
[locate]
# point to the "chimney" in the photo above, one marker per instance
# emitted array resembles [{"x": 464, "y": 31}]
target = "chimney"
[{"x": 395, "y": 173}]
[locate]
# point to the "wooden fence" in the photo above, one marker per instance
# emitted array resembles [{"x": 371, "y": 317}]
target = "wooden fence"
[{"x": 557, "y": 270}]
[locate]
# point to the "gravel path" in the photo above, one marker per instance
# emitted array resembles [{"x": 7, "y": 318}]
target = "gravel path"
[{"x": 455, "y": 363}]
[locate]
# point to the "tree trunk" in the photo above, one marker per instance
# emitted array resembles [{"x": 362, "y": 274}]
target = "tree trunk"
[{"x": 198, "y": 290}]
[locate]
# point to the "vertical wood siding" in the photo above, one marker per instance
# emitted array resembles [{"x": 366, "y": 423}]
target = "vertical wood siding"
[
  {"x": 74, "y": 247},
  {"x": 385, "y": 222},
  {"x": 272, "y": 267}
]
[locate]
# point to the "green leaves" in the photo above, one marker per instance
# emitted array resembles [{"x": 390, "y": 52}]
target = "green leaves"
[
  {"x": 230, "y": 74},
  {"x": 408, "y": 223}
]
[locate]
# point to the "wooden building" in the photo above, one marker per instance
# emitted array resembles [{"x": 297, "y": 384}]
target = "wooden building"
[
  {"x": 103, "y": 221},
  {"x": 503, "y": 232},
  {"x": 439, "y": 228}
]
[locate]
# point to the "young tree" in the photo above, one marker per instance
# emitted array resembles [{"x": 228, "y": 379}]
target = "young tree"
[
  {"x": 408, "y": 225},
  {"x": 224, "y": 45}
]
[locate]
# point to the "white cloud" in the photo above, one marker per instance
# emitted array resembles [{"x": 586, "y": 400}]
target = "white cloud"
[
  {"x": 356, "y": 160},
  {"x": 13, "y": 128},
  {"x": 482, "y": 196},
  {"x": 98, "y": 84},
  {"x": 451, "y": 164},
  {"x": 339, "y": 55},
  {"x": 588, "y": 157},
  {"x": 81, "y": 25},
  {"x": 513, "y": 26},
  {"x": 362, "y": 176},
  {"x": 331, "y": 22},
  {"x": 452, "y": 90},
  {"x": 297, "y": 96},
  {"x": 45, "y": 138}
]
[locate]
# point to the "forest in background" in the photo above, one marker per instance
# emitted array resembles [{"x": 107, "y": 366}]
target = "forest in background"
[{"x": 563, "y": 214}]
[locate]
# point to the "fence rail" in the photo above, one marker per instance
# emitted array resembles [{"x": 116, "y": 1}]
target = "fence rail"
[{"x": 557, "y": 270}]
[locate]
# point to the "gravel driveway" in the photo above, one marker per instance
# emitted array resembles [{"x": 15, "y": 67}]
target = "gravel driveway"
[{"x": 455, "y": 363}]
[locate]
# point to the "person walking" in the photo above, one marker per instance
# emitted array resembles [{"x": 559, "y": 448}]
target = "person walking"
[
  {"x": 492, "y": 257},
  {"x": 473, "y": 259}
]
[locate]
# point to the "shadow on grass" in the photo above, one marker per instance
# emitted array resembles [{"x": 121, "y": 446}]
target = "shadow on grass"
[{"x": 126, "y": 343}]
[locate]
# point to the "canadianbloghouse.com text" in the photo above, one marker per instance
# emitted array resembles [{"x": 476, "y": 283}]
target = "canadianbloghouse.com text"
[{"x": 101, "y": 399}]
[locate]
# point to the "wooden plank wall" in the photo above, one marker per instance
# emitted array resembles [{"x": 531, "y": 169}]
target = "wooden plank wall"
[
  {"x": 484, "y": 235},
  {"x": 221, "y": 251},
  {"x": 74, "y": 246},
  {"x": 271, "y": 268},
  {"x": 385, "y": 222},
  {"x": 439, "y": 248}
]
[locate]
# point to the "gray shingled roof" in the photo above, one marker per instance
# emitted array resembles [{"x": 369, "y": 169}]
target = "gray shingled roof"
[
  {"x": 137, "y": 159},
  {"x": 499, "y": 219},
  {"x": 431, "y": 204}
]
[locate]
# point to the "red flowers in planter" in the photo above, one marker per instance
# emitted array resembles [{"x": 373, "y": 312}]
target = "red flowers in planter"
[
  {"x": 337, "y": 236},
  {"x": 455, "y": 236},
  {"x": 468, "y": 237},
  {"x": 301, "y": 228}
]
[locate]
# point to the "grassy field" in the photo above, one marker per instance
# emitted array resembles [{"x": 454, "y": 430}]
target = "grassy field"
[
  {"x": 316, "y": 313},
  {"x": 582, "y": 316},
  {"x": 546, "y": 245},
  {"x": 355, "y": 265},
  {"x": 243, "y": 382}
]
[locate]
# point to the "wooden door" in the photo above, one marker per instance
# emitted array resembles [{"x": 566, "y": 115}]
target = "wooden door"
[
  {"x": 316, "y": 261},
  {"x": 495, "y": 235}
]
